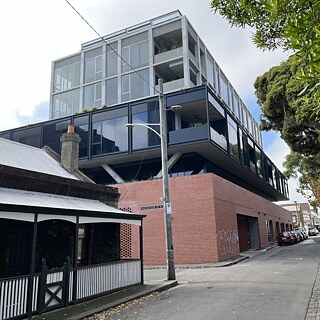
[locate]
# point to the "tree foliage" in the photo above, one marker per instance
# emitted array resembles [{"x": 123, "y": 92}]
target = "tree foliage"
[
  {"x": 309, "y": 178},
  {"x": 287, "y": 24},
  {"x": 279, "y": 94},
  {"x": 289, "y": 94}
]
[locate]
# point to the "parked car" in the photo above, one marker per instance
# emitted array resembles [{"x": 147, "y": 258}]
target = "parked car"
[
  {"x": 285, "y": 238},
  {"x": 300, "y": 235},
  {"x": 313, "y": 232},
  {"x": 295, "y": 236},
  {"x": 303, "y": 231}
]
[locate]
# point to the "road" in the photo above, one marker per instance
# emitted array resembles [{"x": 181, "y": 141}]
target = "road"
[{"x": 276, "y": 284}]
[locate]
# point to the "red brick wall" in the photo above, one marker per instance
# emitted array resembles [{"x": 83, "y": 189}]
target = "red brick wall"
[
  {"x": 204, "y": 217},
  {"x": 231, "y": 200}
]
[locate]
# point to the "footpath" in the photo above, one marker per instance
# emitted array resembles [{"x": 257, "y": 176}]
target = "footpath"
[{"x": 112, "y": 300}]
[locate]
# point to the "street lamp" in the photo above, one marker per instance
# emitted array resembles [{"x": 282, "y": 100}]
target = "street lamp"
[{"x": 165, "y": 180}]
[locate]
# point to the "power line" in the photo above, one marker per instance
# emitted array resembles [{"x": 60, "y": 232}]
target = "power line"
[
  {"x": 141, "y": 162},
  {"x": 104, "y": 40},
  {"x": 134, "y": 70}
]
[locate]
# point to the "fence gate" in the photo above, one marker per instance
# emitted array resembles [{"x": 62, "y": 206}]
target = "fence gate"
[{"x": 54, "y": 285}]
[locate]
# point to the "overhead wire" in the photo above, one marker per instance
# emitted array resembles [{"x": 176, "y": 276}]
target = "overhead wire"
[
  {"x": 115, "y": 51},
  {"x": 140, "y": 165},
  {"x": 134, "y": 70}
]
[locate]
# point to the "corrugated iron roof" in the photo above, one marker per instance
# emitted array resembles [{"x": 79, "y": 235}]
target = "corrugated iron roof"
[{"x": 22, "y": 156}]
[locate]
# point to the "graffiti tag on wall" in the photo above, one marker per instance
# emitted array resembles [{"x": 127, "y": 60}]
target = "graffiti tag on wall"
[{"x": 228, "y": 241}]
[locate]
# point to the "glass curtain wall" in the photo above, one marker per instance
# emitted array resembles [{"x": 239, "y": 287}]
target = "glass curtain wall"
[
  {"x": 135, "y": 54},
  {"x": 52, "y": 132},
  {"x": 81, "y": 124},
  {"x": 112, "y": 72},
  {"x": 218, "y": 126},
  {"x": 109, "y": 131},
  {"x": 66, "y": 79},
  {"x": 233, "y": 137},
  {"x": 93, "y": 65},
  {"x": 144, "y": 113}
]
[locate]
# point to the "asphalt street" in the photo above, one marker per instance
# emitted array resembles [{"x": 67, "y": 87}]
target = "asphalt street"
[{"x": 276, "y": 284}]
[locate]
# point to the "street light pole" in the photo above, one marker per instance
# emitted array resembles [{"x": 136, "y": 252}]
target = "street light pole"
[
  {"x": 171, "y": 275},
  {"x": 166, "y": 197}
]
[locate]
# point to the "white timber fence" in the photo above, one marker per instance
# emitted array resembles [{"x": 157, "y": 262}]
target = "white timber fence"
[{"x": 92, "y": 281}]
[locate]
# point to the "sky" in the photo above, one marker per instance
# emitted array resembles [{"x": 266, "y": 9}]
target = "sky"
[{"x": 36, "y": 32}]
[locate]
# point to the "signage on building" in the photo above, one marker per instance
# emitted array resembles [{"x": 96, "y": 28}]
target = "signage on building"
[
  {"x": 168, "y": 208},
  {"x": 159, "y": 206}
]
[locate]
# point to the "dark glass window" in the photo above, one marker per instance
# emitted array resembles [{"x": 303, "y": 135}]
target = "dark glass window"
[
  {"x": 143, "y": 113},
  {"x": 233, "y": 137},
  {"x": 188, "y": 164},
  {"x": 82, "y": 129},
  {"x": 218, "y": 124},
  {"x": 52, "y": 133},
  {"x": 259, "y": 162},
  {"x": 109, "y": 131},
  {"x": 30, "y": 136},
  {"x": 252, "y": 155},
  {"x": 269, "y": 172},
  {"x": 242, "y": 152},
  {"x": 5, "y": 135}
]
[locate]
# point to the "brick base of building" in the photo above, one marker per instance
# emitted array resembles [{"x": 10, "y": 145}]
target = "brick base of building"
[{"x": 212, "y": 219}]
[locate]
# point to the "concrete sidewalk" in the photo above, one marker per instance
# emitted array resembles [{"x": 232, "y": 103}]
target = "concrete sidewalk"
[{"x": 91, "y": 307}]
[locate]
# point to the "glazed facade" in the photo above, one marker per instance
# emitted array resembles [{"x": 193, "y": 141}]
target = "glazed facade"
[
  {"x": 113, "y": 82},
  {"x": 126, "y": 65}
]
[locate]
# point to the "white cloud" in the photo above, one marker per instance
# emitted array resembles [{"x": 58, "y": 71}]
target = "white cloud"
[{"x": 36, "y": 32}]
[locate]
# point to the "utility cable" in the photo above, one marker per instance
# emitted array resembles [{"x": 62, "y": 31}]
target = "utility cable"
[
  {"x": 134, "y": 70},
  {"x": 105, "y": 41}
]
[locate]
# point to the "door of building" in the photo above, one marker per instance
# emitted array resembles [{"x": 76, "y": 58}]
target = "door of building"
[{"x": 244, "y": 234}]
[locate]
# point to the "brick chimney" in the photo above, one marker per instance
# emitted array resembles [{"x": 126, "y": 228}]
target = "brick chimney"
[{"x": 70, "y": 149}]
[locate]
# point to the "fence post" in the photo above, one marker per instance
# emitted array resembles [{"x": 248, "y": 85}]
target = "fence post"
[{"x": 32, "y": 267}]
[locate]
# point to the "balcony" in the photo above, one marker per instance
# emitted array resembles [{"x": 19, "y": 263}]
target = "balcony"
[
  {"x": 168, "y": 55},
  {"x": 188, "y": 135},
  {"x": 218, "y": 138},
  {"x": 172, "y": 85}
]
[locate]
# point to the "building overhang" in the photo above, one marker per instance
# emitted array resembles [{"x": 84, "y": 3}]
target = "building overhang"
[{"x": 226, "y": 166}]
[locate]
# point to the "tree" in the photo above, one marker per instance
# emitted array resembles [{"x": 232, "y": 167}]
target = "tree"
[
  {"x": 287, "y": 24},
  {"x": 289, "y": 94},
  {"x": 279, "y": 95},
  {"x": 309, "y": 179}
]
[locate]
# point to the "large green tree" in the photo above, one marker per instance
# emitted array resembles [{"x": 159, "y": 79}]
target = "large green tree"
[
  {"x": 282, "y": 102},
  {"x": 279, "y": 95},
  {"x": 288, "y": 24},
  {"x": 289, "y": 94}
]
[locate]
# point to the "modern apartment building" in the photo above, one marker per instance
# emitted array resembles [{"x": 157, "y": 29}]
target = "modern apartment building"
[{"x": 212, "y": 137}]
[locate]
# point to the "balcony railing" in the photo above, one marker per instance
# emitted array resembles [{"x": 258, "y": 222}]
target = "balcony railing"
[{"x": 168, "y": 55}]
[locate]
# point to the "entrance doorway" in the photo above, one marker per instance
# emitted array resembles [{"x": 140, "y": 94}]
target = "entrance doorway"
[{"x": 248, "y": 231}]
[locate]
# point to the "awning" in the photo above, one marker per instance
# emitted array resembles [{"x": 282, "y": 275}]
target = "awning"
[{"x": 22, "y": 205}]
